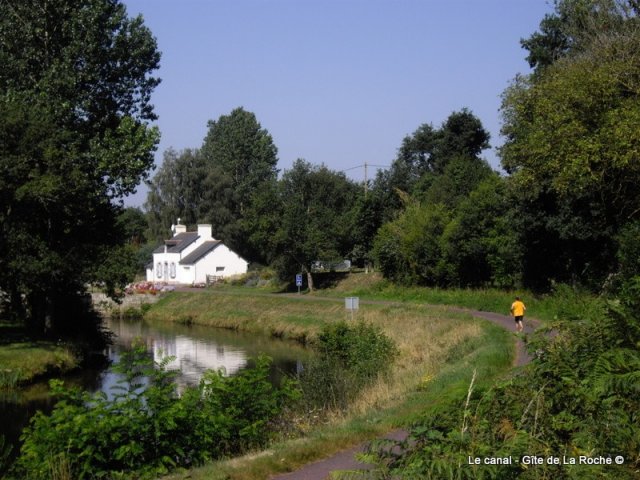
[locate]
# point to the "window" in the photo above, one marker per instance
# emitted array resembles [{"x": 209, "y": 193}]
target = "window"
[
  {"x": 159, "y": 270},
  {"x": 172, "y": 270},
  {"x": 219, "y": 269}
]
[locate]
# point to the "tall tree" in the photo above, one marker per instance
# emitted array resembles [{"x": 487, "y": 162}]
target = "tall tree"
[
  {"x": 240, "y": 159},
  {"x": 316, "y": 218},
  {"x": 424, "y": 156},
  {"x": 573, "y": 147},
  {"x": 176, "y": 191},
  {"x": 75, "y": 86},
  {"x": 573, "y": 27}
]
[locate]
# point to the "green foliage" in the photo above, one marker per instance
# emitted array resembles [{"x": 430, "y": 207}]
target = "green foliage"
[
  {"x": 175, "y": 192},
  {"x": 572, "y": 144},
  {"x": 480, "y": 244},
  {"x": 628, "y": 254},
  {"x": 409, "y": 249},
  {"x": 424, "y": 156},
  {"x": 240, "y": 159},
  {"x": 350, "y": 358},
  {"x": 579, "y": 396},
  {"x": 5, "y": 452},
  {"x": 146, "y": 429},
  {"x": 315, "y": 221},
  {"x": 75, "y": 138}
]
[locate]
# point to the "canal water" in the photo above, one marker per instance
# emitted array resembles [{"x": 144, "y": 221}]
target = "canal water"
[{"x": 194, "y": 350}]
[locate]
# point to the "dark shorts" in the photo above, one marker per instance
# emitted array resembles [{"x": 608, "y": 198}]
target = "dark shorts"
[{"x": 518, "y": 318}]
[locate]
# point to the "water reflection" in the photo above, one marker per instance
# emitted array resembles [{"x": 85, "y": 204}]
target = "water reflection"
[{"x": 196, "y": 350}]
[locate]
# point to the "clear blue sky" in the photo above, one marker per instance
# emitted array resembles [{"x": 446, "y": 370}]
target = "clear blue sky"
[{"x": 339, "y": 82}]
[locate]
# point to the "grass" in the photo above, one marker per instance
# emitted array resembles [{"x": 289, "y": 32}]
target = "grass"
[
  {"x": 23, "y": 362},
  {"x": 244, "y": 310},
  {"x": 439, "y": 349},
  {"x": 542, "y": 307}
]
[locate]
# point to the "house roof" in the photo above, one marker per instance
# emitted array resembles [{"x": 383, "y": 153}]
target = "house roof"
[
  {"x": 200, "y": 252},
  {"x": 178, "y": 243}
]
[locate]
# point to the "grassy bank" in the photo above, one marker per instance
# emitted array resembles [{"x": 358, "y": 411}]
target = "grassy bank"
[
  {"x": 24, "y": 362},
  {"x": 438, "y": 351}
]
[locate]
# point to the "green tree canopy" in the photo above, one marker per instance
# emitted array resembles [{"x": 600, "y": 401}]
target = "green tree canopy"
[
  {"x": 315, "y": 219},
  {"x": 240, "y": 160},
  {"x": 573, "y": 148},
  {"x": 176, "y": 191},
  {"x": 424, "y": 156},
  {"x": 75, "y": 86}
]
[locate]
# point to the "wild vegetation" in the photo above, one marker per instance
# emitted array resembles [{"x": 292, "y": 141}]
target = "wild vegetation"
[
  {"x": 75, "y": 137},
  {"x": 437, "y": 350},
  {"x": 75, "y": 113},
  {"x": 570, "y": 154},
  {"x": 147, "y": 428}
]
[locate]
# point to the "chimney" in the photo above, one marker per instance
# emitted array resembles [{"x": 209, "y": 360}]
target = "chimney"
[
  {"x": 204, "y": 231},
  {"x": 179, "y": 228}
]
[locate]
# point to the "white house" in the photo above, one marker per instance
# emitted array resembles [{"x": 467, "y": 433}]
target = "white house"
[{"x": 189, "y": 257}]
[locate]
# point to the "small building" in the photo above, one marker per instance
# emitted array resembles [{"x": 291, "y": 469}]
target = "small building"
[{"x": 188, "y": 257}]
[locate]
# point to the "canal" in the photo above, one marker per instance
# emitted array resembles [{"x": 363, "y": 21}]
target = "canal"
[{"x": 193, "y": 349}]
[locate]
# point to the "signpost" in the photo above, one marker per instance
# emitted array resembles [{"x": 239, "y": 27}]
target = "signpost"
[
  {"x": 298, "y": 281},
  {"x": 352, "y": 304}
]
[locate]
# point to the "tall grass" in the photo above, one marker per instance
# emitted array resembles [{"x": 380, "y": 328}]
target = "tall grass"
[{"x": 438, "y": 350}]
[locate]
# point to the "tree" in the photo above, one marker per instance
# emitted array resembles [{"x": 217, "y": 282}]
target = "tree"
[
  {"x": 409, "y": 249},
  {"x": 240, "y": 160},
  {"x": 424, "y": 156},
  {"x": 176, "y": 191},
  {"x": 573, "y": 27},
  {"x": 75, "y": 88},
  {"x": 480, "y": 245},
  {"x": 458, "y": 179},
  {"x": 315, "y": 220},
  {"x": 572, "y": 148}
]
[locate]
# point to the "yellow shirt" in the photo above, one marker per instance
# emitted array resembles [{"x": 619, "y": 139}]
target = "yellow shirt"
[{"x": 518, "y": 308}]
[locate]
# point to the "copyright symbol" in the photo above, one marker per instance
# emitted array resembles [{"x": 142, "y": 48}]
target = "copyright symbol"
[{"x": 619, "y": 460}]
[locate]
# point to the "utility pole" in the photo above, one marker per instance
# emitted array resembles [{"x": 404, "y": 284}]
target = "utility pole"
[{"x": 365, "y": 180}]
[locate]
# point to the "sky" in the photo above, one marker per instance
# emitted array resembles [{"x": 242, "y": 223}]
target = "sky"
[{"x": 336, "y": 82}]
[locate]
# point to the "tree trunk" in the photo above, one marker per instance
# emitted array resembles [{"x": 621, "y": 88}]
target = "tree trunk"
[
  {"x": 17, "y": 310},
  {"x": 310, "y": 280}
]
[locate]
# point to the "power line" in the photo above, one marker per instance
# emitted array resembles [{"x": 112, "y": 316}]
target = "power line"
[{"x": 366, "y": 168}]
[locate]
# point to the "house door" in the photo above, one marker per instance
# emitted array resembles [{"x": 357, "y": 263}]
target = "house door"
[{"x": 165, "y": 271}]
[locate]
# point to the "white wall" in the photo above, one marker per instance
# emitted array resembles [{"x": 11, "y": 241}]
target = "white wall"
[
  {"x": 220, "y": 256},
  {"x": 171, "y": 260}
]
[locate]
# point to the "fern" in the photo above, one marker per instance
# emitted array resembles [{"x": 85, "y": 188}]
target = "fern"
[{"x": 617, "y": 372}]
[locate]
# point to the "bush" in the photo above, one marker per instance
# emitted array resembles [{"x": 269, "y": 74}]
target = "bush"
[
  {"x": 350, "y": 357},
  {"x": 147, "y": 429}
]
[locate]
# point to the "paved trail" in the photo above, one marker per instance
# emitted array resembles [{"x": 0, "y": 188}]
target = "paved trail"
[{"x": 345, "y": 460}]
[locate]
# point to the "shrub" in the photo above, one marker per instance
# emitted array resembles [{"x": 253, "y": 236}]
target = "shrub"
[
  {"x": 350, "y": 357},
  {"x": 147, "y": 429}
]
